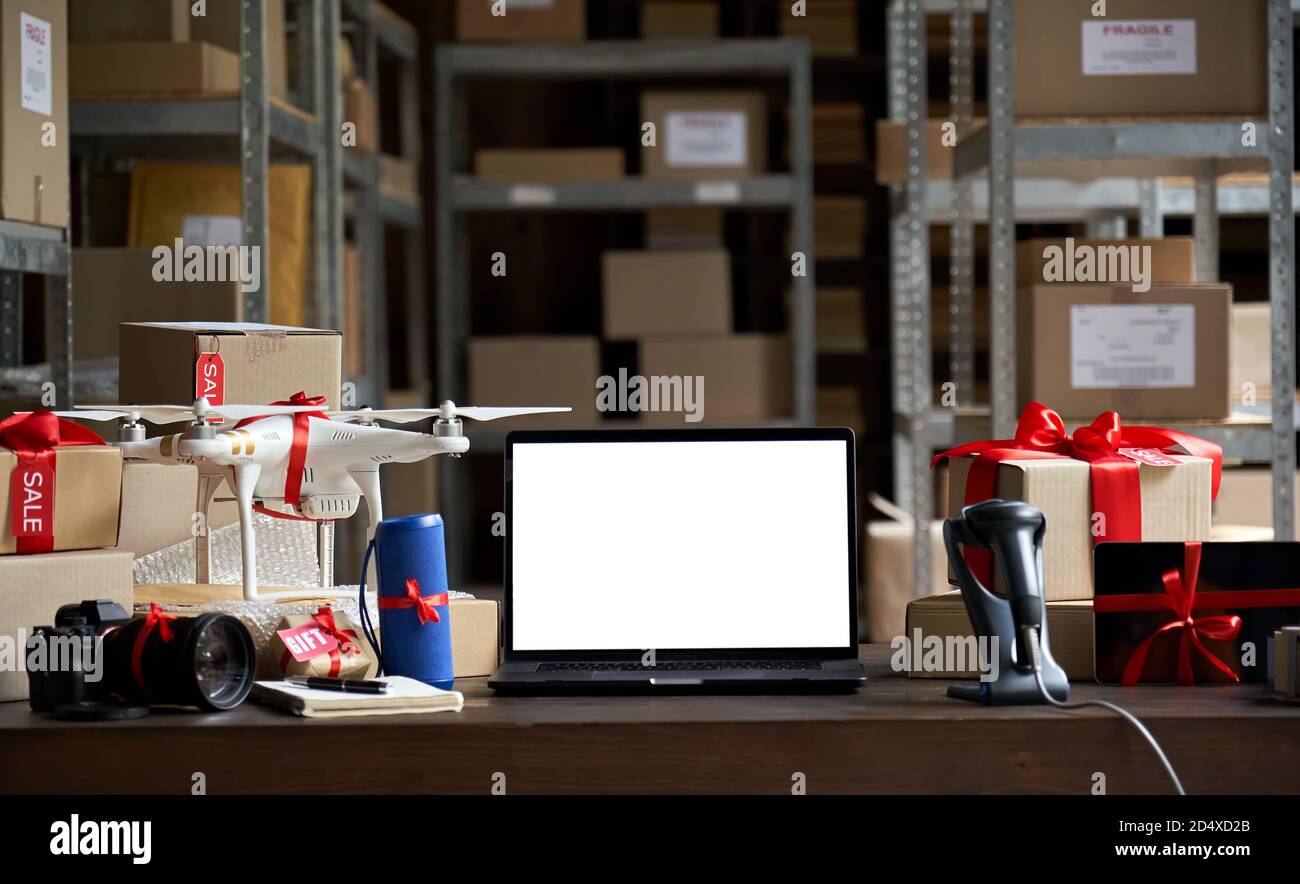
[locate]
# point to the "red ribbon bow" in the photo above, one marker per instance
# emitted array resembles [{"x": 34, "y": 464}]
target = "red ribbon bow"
[
  {"x": 33, "y": 437},
  {"x": 346, "y": 638},
  {"x": 297, "y": 451},
  {"x": 425, "y": 606},
  {"x": 1116, "y": 487},
  {"x": 156, "y": 619}
]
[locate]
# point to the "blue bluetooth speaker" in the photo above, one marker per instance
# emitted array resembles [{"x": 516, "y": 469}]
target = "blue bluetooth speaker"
[{"x": 414, "y": 614}]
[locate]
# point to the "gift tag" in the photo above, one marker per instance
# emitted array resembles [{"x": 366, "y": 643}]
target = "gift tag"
[
  {"x": 307, "y": 641},
  {"x": 210, "y": 378},
  {"x": 31, "y": 490},
  {"x": 1152, "y": 457}
]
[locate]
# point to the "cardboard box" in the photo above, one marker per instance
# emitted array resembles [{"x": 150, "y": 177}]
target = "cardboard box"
[
  {"x": 674, "y": 20},
  {"x": 34, "y": 164},
  {"x": 132, "y": 21},
  {"x": 159, "y": 502},
  {"x": 354, "y": 318},
  {"x": 399, "y": 179},
  {"x": 943, "y": 616},
  {"x": 1171, "y": 260},
  {"x": 551, "y": 370},
  {"x": 841, "y": 320},
  {"x": 117, "y": 70},
  {"x": 1162, "y": 354},
  {"x": 831, "y": 26},
  {"x": 263, "y": 363},
  {"x": 839, "y": 226},
  {"x": 1145, "y": 57},
  {"x": 676, "y": 227},
  {"x": 202, "y": 202},
  {"x": 667, "y": 293},
  {"x": 840, "y": 406},
  {"x": 87, "y": 490},
  {"x": 890, "y": 585},
  {"x": 549, "y": 164},
  {"x": 746, "y": 378},
  {"x": 1246, "y": 498},
  {"x": 1175, "y": 506},
  {"x": 362, "y": 110},
  {"x": 705, "y": 135},
  {"x": 1252, "y": 353},
  {"x": 220, "y": 27},
  {"x": 524, "y": 21},
  {"x": 117, "y": 285},
  {"x": 891, "y": 151},
  {"x": 33, "y": 588},
  {"x": 410, "y": 489},
  {"x": 475, "y": 637}
]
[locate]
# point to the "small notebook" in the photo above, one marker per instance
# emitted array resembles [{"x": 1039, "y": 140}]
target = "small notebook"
[{"x": 405, "y": 695}]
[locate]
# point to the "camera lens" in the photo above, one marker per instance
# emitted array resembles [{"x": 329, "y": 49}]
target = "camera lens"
[
  {"x": 223, "y": 664},
  {"x": 208, "y": 662}
]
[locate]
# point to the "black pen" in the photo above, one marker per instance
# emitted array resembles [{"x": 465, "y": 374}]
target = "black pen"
[{"x": 343, "y": 685}]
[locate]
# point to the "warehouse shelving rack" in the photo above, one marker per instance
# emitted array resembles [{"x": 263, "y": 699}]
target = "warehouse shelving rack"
[
  {"x": 459, "y": 194},
  {"x": 1208, "y": 149}
]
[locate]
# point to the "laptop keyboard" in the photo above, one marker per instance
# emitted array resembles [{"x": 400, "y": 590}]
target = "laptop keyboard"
[{"x": 680, "y": 666}]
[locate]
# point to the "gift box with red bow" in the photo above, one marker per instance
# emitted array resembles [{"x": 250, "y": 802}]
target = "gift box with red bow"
[
  {"x": 60, "y": 486},
  {"x": 326, "y": 644},
  {"x": 1191, "y": 613},
  {"x": 1105, "y": 482}
]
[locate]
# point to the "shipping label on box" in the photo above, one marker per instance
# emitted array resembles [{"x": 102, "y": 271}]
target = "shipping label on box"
[
  {"x": 1132, "y": 345},
  {"x": 1137, "y": 48},
  {"x": 703, "y": 135},
  {"x": 707, "y": 138}
]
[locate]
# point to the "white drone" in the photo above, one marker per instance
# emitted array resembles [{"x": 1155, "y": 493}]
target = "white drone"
[{"x": 343, "y": 453}]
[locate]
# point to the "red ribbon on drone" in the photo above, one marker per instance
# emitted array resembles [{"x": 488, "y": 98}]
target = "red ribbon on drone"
[
  {"x": 156, "y": 619},
  {"x": 33, "y": 437},
  {"x": 297, "y": 453},
  {"x": 426, "y": 607}
]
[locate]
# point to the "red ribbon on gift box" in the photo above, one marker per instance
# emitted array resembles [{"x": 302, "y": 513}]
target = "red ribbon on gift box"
[
  {"x": 1181, "y": 597},
  {"x": 346, "y": 638},
  {"x": 297, "y": 453},
  {"x": 157, "y": 619},
  {"x": 1116, "y": 486},
  {"x": 33, "y": 437},
  {"x": 425, "y": 606}
]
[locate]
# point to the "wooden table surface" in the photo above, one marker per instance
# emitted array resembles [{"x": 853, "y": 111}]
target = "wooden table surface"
[{"x": 896, "y": 735}]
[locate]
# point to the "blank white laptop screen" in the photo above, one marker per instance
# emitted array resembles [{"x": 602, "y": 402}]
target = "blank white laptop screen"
[{"x": 680, "y": 545}]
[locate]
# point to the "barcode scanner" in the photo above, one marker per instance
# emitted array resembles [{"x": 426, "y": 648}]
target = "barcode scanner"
[{"x": 1011, "y": 629}]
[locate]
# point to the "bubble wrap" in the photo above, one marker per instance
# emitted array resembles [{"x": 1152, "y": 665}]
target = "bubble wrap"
[{"x": 286, "y": 556}]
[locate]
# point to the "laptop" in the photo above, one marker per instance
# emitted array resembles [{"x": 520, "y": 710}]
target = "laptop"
[{"x": 680, "y": 559}]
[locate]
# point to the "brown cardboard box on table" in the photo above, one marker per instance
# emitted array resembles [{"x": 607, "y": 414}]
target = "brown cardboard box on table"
[
  {"x": 1175, "y": 507},
  {"x": 158, "y": 506},
  {"x": 33, "y": 588},
  {"x": 34, "y": 112},
  {"x": 666, "y": 293},
  {"x": 746, "y": 378},
  {"x": 1154, "y": 57},
  {"x": 262, "y": 363},
  {"x": 87, "y": 490},
  {"x": 679, "y": 19},
  {"x": 524, "y": 20},
  {"x": 1161, "y": 354},
  {"x": 890, "y": 584},
  {"x": 201, "y": 205},
  {"x": 551, "y": 370},
  {"x": 131, "y": 21},
  {"x": 475, "y": 637},
  {"x": 705, "y": 135},
  {"x": 1079, "y": 260},
  {"x": 1246, "y": 498},
  {"x": 549, "y": 164},
  {"x": 117, "y": 70},
  {"x": 117, "y": 285}
]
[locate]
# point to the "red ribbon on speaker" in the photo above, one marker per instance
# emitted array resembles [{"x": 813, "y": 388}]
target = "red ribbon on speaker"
[
  {"x": 33, "y": 438},
  {"x": 426, "y": 607},
  {"x": 156, "y": 619},
  {"x": 297, "y": 452}
]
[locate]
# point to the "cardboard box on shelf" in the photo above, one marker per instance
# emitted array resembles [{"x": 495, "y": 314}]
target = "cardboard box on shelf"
[
  {"x": 547, "y": 164},
  {"x": 130, "y": 21},
  {"x": 746, "y": 378},
  {"x": 1161, "y": 354},
  {"x": 831, "y": 28},
  {"x": 399, "y": 179},
  {"x": 839, "y": 226},
  {"x": 943, "y": 617},
  {"x": 840, "y": 406},
  {"x": 362, "y": 110},
  {"x": 890, "y": 586},
  {"x": 547, "y": 370},
  {"x": 891, "y": 151},
  {"x": 34, "y": 167},
  {"x": 410, "y": 489},
  {"x": 1171, "y": 260},
  {"x": 1252, "y": 355},
  {"x": 680, "y": 228},
  {"x": 86, "y": 484},
  {"x": 33, "y": 588},
  {"x": 841, "y": 320},
  {"x": 838, "y": 133},
  {"x": 705, "y": 135},
  {"x": 1246, "y": 498},
  {"x": 201, "y": 205},
  {"x": 260, "y": 363},
  {"x": 1175, "y": 505},
  {"x": 679, "y": 20},
  {"x": 523, "y": 21},
  {"x": 220, "y": 27},
  {"x": 666, "y": 293},
  {"x": 354, "y": 318},
  {"x": 117, "y": 285},
  {"x": 1145, "y": 57},
  {"x": 117, "y": 70}
]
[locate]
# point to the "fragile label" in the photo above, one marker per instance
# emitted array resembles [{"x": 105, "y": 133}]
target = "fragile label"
[
  {"x": 37, "y": 90},
  {"x": 1152, "y": 457},
  {"x": 210, "y": 378},
  {"x": 1132, "y": 345},
  {"x": 307, "y": 641},
  {"x": 31, "y": 495},
  {"x": 1137, "y": 48},
  {"x": 707, "y": 138}
]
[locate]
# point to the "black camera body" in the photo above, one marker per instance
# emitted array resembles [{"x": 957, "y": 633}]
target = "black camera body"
[{"x": 65, "y": 649}]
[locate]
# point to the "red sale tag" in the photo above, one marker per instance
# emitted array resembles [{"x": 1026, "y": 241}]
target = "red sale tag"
[
  {"x": 31, "y": 496},
  {"x": 1150, "y": 456},
  {"x": 210, "y": 378},
  {"x": 307, "y": 641}
]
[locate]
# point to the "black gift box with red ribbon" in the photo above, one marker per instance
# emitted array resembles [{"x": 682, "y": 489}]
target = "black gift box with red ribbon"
[{"x": 1191, "y": 613}]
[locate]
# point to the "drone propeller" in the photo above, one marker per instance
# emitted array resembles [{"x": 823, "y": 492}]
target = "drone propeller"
[
  {"x": 171, "y": 414},
  {"x": 446, "y": 411}
]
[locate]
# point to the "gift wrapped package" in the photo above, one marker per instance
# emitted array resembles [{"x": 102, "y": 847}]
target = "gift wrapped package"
[
  {"x": 1191, "y": 613},
  {"x": 324, "y": 644},
  {"x": 1103, "y": 483}
]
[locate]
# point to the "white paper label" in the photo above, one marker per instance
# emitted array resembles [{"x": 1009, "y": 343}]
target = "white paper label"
[
  {"x": 1135, "y": 48},
  {"x": 531, "y": 195},
  {"x": 1132, "y": 345},
  {"x": 37, "y": 91},
  {"x": 212, "y": 230},
  {"x": 714, "y": 192},
  {"x": 712, "y": 139}
]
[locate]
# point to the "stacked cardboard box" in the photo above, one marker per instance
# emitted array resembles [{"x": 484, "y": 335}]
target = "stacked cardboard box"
[
  {"x": 839, "y": 225},
  {"x": 705, "y": 135},
  {"x": 679, "y": 20},
  {"x": 689, "y": 227},
  {"x": 522, "y": 370},
  {"x": 549, "y": 164},
  {"x": 534, "y": 20},
  {"x": 831, "y": 26},
  {"x": 666, "y": 294},
  {"x": 839, "y": 132},
  {"x": 841, "y": 321},
  {"x": 34, "y": 106},
  {"x": 891, "y": 150},
  {"x": 840, "y": 407}
]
